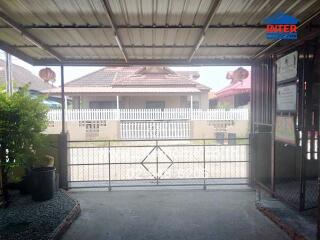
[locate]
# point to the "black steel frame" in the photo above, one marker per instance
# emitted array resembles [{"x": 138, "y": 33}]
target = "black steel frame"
[{"x": 263, "y": 125}]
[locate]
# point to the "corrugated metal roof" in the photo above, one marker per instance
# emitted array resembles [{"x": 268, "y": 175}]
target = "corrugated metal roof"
[
  {"x": 80, "y": 31},
  {"x": 146, "y": 12},
  {"x": 225, "y": 52},
  {"x": 231, "y": 36}
]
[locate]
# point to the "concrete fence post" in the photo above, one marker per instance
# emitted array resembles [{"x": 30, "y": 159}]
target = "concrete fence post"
[{"x": 63, "y": 159}]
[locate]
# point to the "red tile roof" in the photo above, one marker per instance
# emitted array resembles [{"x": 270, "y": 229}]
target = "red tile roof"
[
  {"x": 103, "y": 77},
  {"x": 238, "y": 87},
  {"x": 154, "y": 76},
  {"x": 72, "y": 90},
  {"x": 191, "y": 74},
  {"x": 138, "y": 77}
]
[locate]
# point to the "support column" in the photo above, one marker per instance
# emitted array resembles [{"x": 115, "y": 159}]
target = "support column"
[
  {"x": 63, "y": 141},
  {"x": 63, "y": 130},
  {"x": 118, "y": 108},
  {"x": 8, "y": 73},
  {"x": 191, "y": 107},
  {"x": 63, "y": 159},
  {"x": 118, "y": 102}
]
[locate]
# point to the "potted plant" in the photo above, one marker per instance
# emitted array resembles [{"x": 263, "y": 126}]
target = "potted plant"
[
  {"x": 39, "y": 160},
  {"x": 43, "y": 175}
]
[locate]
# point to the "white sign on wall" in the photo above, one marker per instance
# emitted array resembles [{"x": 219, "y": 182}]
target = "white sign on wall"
[
  {"x": 285, "y": 131},
  {"x": 287, "y": 67},
  {"x": 287, "y": 98}
]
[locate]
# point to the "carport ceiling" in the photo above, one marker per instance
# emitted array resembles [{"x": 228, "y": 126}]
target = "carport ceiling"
[{"x": 120, "y": 32}]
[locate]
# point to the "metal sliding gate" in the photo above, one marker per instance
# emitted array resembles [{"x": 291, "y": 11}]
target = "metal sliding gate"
[{"x": 144, "y": 163}]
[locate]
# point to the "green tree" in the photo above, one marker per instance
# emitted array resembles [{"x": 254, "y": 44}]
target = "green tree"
[
  {"x": 224, "y": 105},
  {"x": 22, "y": 119}
]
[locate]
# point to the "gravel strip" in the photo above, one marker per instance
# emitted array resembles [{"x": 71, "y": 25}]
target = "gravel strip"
[{"x": 27, "y": 219}]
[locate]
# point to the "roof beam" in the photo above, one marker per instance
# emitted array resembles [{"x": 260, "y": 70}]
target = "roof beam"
[
  {"x": 165, "y": 62},
  {"x": 114, "y": 28},
  {"x": 15, "y": 52},
  {"x": 28, "y": 36},
  {"x": 214, "y": 7},
  {"x": 146, "y": 46},
  {"x": 74, "y": 26}
]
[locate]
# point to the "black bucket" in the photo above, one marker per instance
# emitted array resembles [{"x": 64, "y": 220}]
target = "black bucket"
[{"x": 43, "y": 183}]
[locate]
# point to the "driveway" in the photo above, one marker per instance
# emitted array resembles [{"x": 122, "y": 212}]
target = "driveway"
[{"x": 171, "y": 214}]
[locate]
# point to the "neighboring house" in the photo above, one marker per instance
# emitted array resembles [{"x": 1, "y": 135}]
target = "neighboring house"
[
  {"x": 137, "y": 87},
  {"x": 237, "y": 94},
  {"x": 21, "y": 77},
  {"x": 212, "y": 101}
]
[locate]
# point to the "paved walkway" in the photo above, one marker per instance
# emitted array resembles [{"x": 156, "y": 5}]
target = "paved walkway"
[{"x": 171, "y": 214}]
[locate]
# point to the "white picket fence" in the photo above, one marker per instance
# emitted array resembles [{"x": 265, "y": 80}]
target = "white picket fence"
[
  {"x": 155, "y": 130},
  {"x": 149, "y": 114}
]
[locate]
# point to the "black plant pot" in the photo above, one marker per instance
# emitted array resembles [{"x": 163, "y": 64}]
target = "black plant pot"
[
  {"x": 43, "y": 183},
  {"x": 25, "y": 185}
]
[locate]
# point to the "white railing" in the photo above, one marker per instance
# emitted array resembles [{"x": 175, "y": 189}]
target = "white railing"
[
  {"x": 220, "y": 114},
  {"x": 155, "y": 130},
  {"x": 150, "y": 114},
  {"x": 155, "y": 114},
  {"x": 84, "y": 114}
]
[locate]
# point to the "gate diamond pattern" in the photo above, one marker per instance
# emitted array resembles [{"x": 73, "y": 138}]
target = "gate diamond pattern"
[{"x": 157, "y": 168}]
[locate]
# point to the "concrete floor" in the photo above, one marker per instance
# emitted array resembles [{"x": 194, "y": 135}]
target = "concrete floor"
[{"x": 171, "y": 214}]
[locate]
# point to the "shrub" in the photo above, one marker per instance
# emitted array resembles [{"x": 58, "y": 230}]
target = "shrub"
[{"x": 22, "y": 119}]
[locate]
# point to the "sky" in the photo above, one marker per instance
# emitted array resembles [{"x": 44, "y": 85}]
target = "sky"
[{"x": 212, "y": 76}]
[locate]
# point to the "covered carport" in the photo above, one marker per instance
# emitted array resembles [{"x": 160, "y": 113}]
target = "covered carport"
[{"x": 189, "y": 33}]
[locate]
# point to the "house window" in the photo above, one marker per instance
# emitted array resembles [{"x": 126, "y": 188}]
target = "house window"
[
  {"x": 103, "y": 104},
  {"x": 76, "y": 102},
  {"x": 155, "y": 104},
  {"x": 241, "y": 99},
  {"x": 195, "y": 104},
  {"x": 213, "y": 103},
  {"x": 183, "y": 101}
]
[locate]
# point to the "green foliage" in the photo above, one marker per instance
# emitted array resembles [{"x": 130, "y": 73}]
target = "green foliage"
[
  {"x": 41, "y": 149},
  {"x": 22, "y": 119},
  {"x": 224, "y": 105}
]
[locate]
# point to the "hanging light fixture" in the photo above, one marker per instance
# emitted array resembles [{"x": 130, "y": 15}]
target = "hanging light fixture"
[{"x": 48, "y": 75}]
